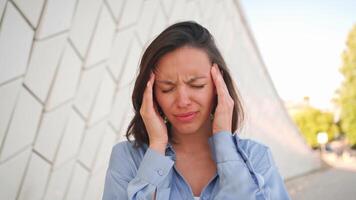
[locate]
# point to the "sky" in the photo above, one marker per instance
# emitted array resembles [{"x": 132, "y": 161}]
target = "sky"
[{"x": 301, "y": 42}]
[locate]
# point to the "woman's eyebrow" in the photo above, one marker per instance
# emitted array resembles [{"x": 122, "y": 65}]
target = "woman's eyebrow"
[
  {"x": 168, "y": 82},
  {"x": 195, "y": 79}
]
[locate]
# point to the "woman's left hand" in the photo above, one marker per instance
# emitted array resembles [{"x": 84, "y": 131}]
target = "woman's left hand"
[{"x": 225, "y": 105}]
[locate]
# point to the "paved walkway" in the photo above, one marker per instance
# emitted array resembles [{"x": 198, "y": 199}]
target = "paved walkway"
[{"x": 336, "y": 181}]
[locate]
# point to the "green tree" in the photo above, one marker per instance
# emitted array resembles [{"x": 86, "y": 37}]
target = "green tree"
[
  {"x": 311, "y": 121},
  {"x": 347, "y": 91}
]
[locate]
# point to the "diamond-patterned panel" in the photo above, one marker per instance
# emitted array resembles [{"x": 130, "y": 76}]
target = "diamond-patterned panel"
[
  {"x": 167, "y": 6},
  {"x": 50, "y": 131},
  {"x": 31, "y": 9},
  {"x": 58, "y": 182},
  {"x": 77, "y": 184},
  {"x": 192, "y": 11},
  {"x": 56, "y": 17},
  {"x": 116, "y": 8},
  {"x": 11, "y": 174},
  {"x": 83, "y": 24},
  {"x": 66, "y": 79},
  {"x": 128, "y": 115},
  {"x": 102, "y": 39},
  {"x": 10, "y": 91},
  {"x": 17, "y": 34},
  {"x": 23, "y": 125},
  {"x": 178, "y": 12},
  {"x": 104, "y": 99},
  {"x": 131, "y": 12},
  {"x": 122, "y": 99},
  {"x": 146, "y": 19},
  {"x": 159, "y": 23},
  {"x": 71, "y": 140},
  {"x": 104, "y": 151},
  {"x": 43, "y": 64},
  {"x": 2, "y": 7},
  {"x": 88, "y": 89},
  {"x": 34, "y": 184},
  {"x": 95, "y": 187},
  {"x": 91, "y": 142},
  {"x": 119, "y": 52},
  {"x": 131, "y": 65},
  {"x": 208, "y": 8},
  {"x": 65, "y": 96}
]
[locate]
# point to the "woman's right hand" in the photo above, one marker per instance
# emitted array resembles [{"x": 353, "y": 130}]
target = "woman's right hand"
[{"x": 155, "y": 126}]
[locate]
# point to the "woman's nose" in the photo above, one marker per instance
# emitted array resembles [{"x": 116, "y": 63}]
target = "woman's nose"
[{"x": 183, "y": 98}]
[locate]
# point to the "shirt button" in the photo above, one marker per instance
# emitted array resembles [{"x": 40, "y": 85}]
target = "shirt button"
[{"x": 160, "y": 172}]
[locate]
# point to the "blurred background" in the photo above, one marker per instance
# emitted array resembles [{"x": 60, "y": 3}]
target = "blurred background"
[
  {"x": 309, "y": 48},
  {"x": 67, "y": 69}
]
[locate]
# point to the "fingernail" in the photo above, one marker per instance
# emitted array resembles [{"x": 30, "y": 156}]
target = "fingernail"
[
  {"x": 213, "y": 68},
  {"x": 217, "y": 69}
]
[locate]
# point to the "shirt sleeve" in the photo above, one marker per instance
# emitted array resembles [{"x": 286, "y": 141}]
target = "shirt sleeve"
[
  {"x": 269, "y": 180},
  {"x": 125, "y": 182},
  {"x": 237, "y": 178}
]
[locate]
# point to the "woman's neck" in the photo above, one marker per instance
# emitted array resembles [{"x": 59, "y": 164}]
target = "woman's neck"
[{"x": 193, "y": 142}]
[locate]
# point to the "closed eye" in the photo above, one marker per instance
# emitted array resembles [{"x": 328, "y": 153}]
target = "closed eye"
[
  {"x": 166, "y": 91},
  {"x": 198, "y": 86},
  {"x": 193, "y": 86}
]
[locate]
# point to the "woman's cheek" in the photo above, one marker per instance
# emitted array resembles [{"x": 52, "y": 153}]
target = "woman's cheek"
[
  {"x": 165, "y": 101},
  {"x": 159, "y": 100}
]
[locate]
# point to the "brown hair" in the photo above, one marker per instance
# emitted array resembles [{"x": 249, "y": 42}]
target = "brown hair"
[{"x": 175, "y": 36}]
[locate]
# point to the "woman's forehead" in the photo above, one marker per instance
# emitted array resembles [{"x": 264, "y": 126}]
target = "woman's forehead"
[
  {"x": 183, "y": 74},
  {"x": 187, "y": 81},
  {"x": 186, "y": 61}
]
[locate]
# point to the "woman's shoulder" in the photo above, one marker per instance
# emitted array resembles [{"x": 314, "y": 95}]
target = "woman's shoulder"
[
  {"x": 258, "y": 154},
  {"x": 128, "y": 148},
  {"x": 127, "y": 152},
  {"x": 124, "y": 160}
]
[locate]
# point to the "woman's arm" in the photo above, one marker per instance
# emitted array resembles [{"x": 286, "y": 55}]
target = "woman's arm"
[
  {"x": 237, "y": 179},
  {"x": 125, "y": 182},
  {"x": 151, "y": 179},
  {"x": 260, "y": 160}
]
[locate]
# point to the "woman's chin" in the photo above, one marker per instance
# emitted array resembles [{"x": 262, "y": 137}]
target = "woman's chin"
[{"x": 185, "y": 129}]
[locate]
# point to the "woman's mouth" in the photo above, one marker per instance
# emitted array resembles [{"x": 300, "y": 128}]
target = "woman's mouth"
[{"x": 186, "y": 117}]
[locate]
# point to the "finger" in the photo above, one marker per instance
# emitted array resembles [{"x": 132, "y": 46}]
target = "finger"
[
  {"x": 147, "y": 95},
  {"x": 221, "y": 79},
  {"x": 214, "y": 77},
  {"x": 153, "y": 104},
  {"x": 219, "y": 82}
]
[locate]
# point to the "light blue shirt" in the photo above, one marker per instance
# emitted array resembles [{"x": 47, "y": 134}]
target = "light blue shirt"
[{"x": 245, "y": 170}]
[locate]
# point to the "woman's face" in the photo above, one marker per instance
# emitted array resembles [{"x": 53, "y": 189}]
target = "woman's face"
[{"x": 184, "y": 89}]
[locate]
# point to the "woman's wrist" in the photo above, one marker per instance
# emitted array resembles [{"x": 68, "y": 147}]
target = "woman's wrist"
[{"x": 158, "y": 147}]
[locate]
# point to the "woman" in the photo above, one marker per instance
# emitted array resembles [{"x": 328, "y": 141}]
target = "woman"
[{"x": 186, "y": 109}]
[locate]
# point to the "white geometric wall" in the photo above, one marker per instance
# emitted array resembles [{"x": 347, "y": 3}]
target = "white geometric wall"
[{"x": 66, "y": 76}]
